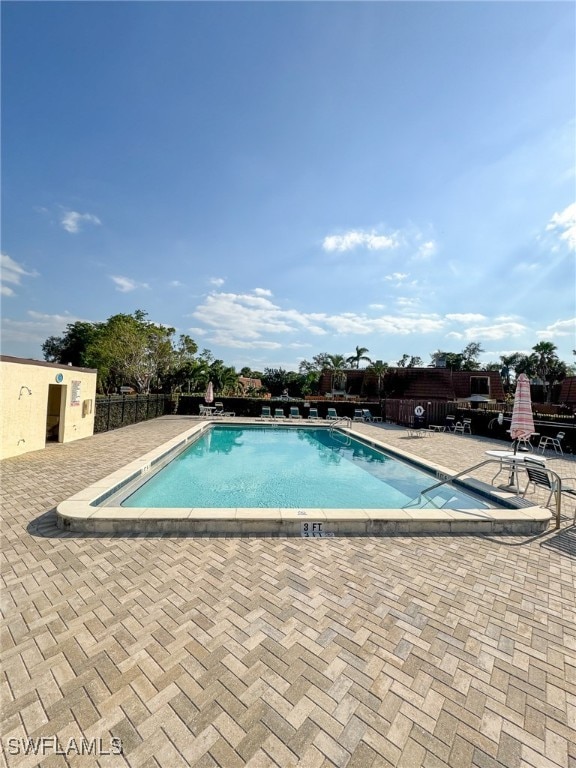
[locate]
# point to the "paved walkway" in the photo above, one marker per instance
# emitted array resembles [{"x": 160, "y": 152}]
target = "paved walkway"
[{"x": 420, "y": 652}]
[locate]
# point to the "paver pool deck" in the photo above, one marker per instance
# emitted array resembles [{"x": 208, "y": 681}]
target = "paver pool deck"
[{"x": 418, "y": 652}]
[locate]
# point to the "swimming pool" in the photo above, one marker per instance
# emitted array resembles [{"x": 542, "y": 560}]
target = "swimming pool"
[
  {"x": 99, "y": 508},
  {"x": 271, "y": 466}
]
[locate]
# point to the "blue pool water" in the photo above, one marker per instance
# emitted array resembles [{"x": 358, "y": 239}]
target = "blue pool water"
[{"x": 289, "y": 467}]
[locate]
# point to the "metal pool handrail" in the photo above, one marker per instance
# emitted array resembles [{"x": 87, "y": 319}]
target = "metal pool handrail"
[
  {"x": 494, "y": 461},
  {"x": 346, "y": 419}
]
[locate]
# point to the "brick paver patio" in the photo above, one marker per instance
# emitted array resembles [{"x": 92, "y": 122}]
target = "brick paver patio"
[{"x": 419, "y": 652}]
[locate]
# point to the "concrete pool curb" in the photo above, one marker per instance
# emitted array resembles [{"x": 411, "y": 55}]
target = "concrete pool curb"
[{"x": 84, "y": 512}]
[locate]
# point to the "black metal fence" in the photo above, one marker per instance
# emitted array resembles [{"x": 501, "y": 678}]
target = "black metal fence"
[{"x": 120, "y": 410}]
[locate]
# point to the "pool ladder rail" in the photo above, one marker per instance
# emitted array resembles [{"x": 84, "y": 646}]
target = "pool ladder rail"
[
  {"x": 340, "y": 420},
  {"x": 418, "y": 499},
  {"x": 333, "y": 431}
]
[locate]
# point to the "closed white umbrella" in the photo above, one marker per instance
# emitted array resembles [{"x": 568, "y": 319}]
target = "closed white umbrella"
[
  {"x": 522, "y": 425},
  {"x": 209, "y": 394}
]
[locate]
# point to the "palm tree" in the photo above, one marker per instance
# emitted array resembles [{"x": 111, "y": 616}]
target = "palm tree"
[
  {"x": 223, "y": 377},
  {"x": 509, "y": 362},
  {"x": 379, "y": 368},
  {"x": 355, "y": 360},
  {"x": 336, "y": 364},
  {"x": 547, "y": 362}
]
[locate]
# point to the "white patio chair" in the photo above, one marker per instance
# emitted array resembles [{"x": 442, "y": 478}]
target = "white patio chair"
[
  {"x": 553, "y": 442},
  {"x": 540, "y": 477}
]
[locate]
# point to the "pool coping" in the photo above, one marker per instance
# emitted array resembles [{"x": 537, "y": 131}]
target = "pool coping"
[{"x": 79, "y": 513}]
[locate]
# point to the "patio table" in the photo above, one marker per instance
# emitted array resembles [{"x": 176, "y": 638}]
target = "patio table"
[{"x": 511, "y": 461}]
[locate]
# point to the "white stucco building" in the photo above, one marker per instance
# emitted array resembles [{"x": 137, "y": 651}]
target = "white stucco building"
[{"x": 43, "y": 401}]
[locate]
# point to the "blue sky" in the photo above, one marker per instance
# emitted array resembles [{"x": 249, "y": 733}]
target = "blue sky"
[{"x": 283, "y": 179}]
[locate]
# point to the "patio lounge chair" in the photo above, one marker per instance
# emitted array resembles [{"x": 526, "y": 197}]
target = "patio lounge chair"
[
  {"x": 366, "y": 415},
  {"x": 279, "y": 413},
  {"x": 331, "y": 415},
  {"x": 313, "y": 414},
  {"x": 358, "y": 415},
  {"x": 449, "y": 424},
  {"x": 295, "y": 412},
  {"x": 221, "y": 412},
  {"x": 266, "y": 413}
]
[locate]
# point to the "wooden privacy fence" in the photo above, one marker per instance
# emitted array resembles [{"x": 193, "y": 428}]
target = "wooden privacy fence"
[
  {"x": 117, "y": 411},
  {"x": 403, "y": 411},
  {"x": 483, "y": 417}
]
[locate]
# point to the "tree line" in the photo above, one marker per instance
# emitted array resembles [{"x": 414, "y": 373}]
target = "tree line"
[{"x": 130, "y": 350}]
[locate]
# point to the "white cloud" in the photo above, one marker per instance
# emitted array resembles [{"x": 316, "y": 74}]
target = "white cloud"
[
  {"x": 176, "y": 284},
  {"x": 242, "y": 316},
  {"x": 495, "y": 332},
  {"x": 218, "y": 282},
  {"x": 427, "y": 250},
  {"x": 247, "y": 320},
  {"x": 72, "y": 221},
  {"x": 360, "y": 239},
  {"x": 564, "y": 224},
  {"x": 37, "y": 329},
  {"x": 126, "y": 284},
  {"x": 466, "y": 318},
  {"x": 11, "y": 272},
  {"x": 506, "y": 318},
  {"x": 407, "y": 302},
  {"x": 558, "y": 329},
  {"x": 239, "y": 344},
  {"x": 397, "y": 276}
]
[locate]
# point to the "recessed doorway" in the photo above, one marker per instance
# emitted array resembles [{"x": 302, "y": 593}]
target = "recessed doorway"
[{"x": 55, "y": 412}]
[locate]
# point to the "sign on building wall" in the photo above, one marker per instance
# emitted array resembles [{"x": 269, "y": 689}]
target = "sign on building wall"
[{"x": 75, "y": 393}]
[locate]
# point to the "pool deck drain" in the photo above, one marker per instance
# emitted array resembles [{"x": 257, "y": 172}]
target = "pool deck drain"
[{"x": 86, "y": 512}]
